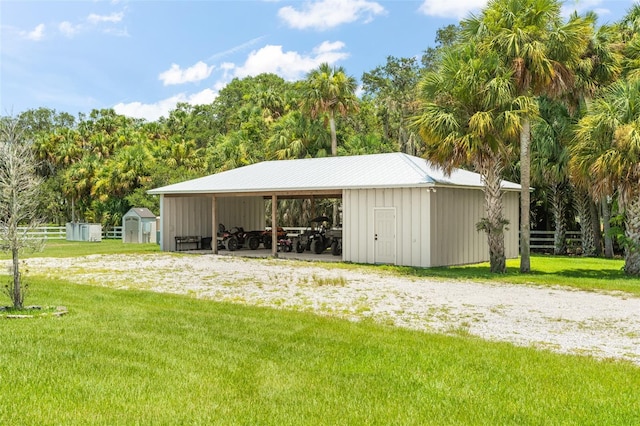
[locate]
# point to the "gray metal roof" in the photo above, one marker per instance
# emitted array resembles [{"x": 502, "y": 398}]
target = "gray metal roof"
[
  {"x": 143, "y": 212},
  {"x": 393, "y": 170}
]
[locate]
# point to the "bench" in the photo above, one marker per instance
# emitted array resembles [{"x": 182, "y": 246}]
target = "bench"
[{"x": 182, "y": 241}]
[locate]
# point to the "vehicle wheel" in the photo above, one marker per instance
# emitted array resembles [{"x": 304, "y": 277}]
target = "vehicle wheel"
[
  {"x": 267, "y": 243},
  {"x": 232, "y": 244},
  {"x": 254, "y": 243},
  {"x": 318, "y": 246},
  {"x": 299, "y": 246},
  {"x": 335, "y": 248}
]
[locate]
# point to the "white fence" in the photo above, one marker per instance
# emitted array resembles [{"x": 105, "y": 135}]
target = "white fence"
[
  {"x": 114, "y": 233},
  {"x": 540, "y": 240},
  {"x": 60, "y": 232}
]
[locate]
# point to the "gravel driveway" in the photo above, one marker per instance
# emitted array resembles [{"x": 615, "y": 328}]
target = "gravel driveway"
[{"x": 562, "y": 320}]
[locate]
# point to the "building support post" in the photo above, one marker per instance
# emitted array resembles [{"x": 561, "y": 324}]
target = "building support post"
[
  {"x": 274, "y": 225},
  {"x": 214, "y": 225}
]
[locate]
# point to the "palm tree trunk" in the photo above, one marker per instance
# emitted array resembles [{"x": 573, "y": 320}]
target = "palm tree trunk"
[
  {"x": 595, "y": 224},
  {"x": 558, "y": 207},
  {"x": 606, "y": 222},
  {"x": 525, "y": 197},
  {"x": 334, "y": 137},
  {"x": 495, "y": 221},
  {"x": 334, "y": 152},
  {"x": 584, "y": 213},
  {"x": 632, "y": 232}
]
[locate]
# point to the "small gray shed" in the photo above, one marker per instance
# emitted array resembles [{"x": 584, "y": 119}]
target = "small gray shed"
[
  {"x": 396, "y": 208},
  {"x": 139, "y": 226}
]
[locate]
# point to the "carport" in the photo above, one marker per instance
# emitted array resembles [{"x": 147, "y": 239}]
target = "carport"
[{"x": 397, "y": 208}]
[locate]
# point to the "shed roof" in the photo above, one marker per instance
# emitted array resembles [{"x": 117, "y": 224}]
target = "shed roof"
[
  {"x": 392, "y": 170},
  {"x": 143, "y": 212}
]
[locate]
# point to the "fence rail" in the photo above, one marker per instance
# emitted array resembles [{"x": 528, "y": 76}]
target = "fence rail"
[
  {"x": 45, "y": 232},
  {"x": 544, "y": 240},
  {"x": 60, "y": 232},
  {"x": 540, "y": 240},
  {"x": 114, "y": 233}
]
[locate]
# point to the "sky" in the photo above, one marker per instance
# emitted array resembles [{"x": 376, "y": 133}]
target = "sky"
[{"x": 143, "y": 57}]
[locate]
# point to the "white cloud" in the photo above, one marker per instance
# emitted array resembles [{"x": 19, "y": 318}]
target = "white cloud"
[
  {"x": 326, "y": 14},
  {"x": 104, "y": 23},
  {"x": 451, "y": 9},
  {"x": 68, "y": 29},
  {"x": 289, "y": 65},
  {"x": 269, "y": 59},
  {"x": 36, "y": 35},
  {"x": 176, "y": 75},
  {"x": 113, "y": 18},
  {"x": 152, "y": 112}
]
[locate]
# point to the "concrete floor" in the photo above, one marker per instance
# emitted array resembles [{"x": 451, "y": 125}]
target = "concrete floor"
[{"x": 264, "y": 253}]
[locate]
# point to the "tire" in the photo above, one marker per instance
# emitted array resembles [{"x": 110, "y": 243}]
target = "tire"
[
  {"x": 318, "y": 246},
  {"x": 232, "y": 244},
  {"x": 254, "y": 243},
  {"x": 299, "y": 246},
  {"x": 335, "y": 248},
  {"x": 267, "y": 242}
]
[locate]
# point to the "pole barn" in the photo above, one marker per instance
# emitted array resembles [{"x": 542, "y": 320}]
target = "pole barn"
[{"x": 396, "y": 208}]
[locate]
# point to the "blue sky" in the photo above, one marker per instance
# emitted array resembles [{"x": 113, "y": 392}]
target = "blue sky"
[{"x": 142, "y": 57}]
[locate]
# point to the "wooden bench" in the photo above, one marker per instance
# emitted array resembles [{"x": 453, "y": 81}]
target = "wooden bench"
[{"x": 181, "y": 241}]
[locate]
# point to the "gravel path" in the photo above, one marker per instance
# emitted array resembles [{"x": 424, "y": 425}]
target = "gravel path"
[{"x": 569, "y": 321}]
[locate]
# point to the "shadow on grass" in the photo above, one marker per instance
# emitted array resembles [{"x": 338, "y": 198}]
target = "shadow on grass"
[
  {"x": 484, "y": 273},
  {"x": 584, "y": 273}
]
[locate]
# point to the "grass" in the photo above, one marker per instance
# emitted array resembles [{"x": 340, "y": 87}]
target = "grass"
[
  {"x": 131, "y": 357},
  {"x": 576, "y": 272},
  {"x": 63, "y": 248}
]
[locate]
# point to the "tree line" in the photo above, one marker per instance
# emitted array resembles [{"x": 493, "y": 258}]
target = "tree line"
[{"x": 516, "y": 92}]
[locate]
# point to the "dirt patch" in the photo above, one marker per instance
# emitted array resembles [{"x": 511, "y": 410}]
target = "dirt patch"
[{"x": 562, "y": 320}]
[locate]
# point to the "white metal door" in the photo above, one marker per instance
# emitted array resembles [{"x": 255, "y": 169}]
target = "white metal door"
[{"x": 384, "y": 244}]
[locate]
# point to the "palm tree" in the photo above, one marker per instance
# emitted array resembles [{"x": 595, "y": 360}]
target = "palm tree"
[
  {"x": 550, "y": 162},
  {"x": 608, "y": 149},
  {"x": 629, "y": 31},
  {"x": 541, "y": 50},
  {"x": 330, "y": 91},
  {"x": 469, "y": 116},
  {"x": 599, "y": 65},
  {"x": 77, "y": 184},
  {"x": 295, "y": 136},
  {"x": 393, "y": 87}
]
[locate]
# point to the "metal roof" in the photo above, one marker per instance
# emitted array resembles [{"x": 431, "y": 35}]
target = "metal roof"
[
  {"x": 143, "y": 212},
  {"x": 391, "y": 170}
]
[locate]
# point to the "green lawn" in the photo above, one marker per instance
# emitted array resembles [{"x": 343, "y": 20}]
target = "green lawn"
[
  {"x": 63, "y": 248},
  {"x": 129, "y": 357},
  {"x": 577, "y": 272}
]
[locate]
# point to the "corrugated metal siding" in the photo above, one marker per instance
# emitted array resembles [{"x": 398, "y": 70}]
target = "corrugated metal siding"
[
  {"x": 191, "y": 216},
  {"x": 455, "y": 240},
  {"x": 511, "y": 202},
  {"x": 246, "y": 212},
  {"x": 412, "y": 218},
  {"x": 185, "y": 216}
]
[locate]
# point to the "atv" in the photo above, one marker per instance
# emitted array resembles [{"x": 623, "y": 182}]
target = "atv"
[
  {"x": 266, "y": 237},
  {"x": 235, "y": 238},
  {"x": 314, "y": 237}
]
